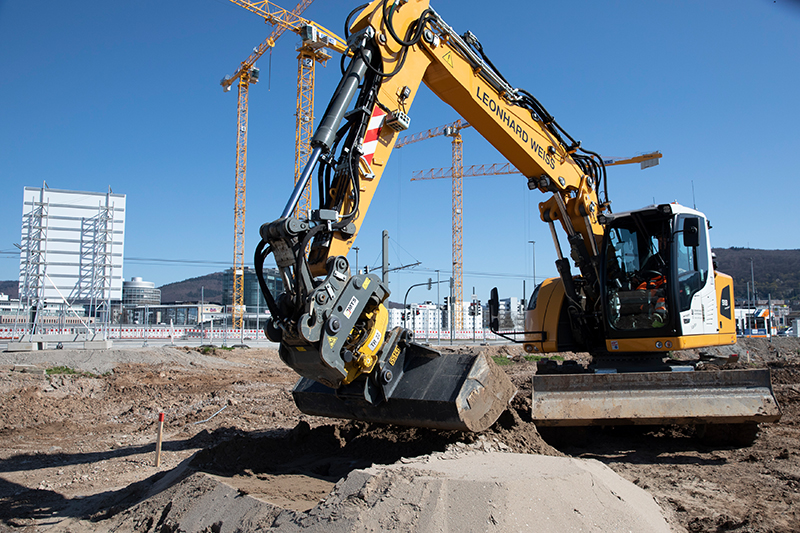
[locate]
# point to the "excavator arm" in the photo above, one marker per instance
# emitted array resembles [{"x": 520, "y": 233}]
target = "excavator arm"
[
  {"x": 394, "y": 47},
  {"x": 454, "y": 68},
  {"x": 331, "y": 324}
]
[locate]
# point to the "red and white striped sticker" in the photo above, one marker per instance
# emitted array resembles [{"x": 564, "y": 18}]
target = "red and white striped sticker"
[{"x": 373, "y": 131}]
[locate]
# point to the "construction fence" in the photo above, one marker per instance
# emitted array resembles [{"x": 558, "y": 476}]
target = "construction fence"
[{"x": 216, "y": 334}]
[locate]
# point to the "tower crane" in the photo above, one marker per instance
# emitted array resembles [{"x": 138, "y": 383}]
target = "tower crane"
[
  {"x": 452, "y": 130},
  {"x": 457, "y": 172},
  {"x": 647, "y": 160},
  {"x": 315, "y": 39}
]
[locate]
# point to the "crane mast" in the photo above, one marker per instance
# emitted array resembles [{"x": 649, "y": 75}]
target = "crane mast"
[
  {"x": 240, "y": 188},
  {"x": 453, "y": 131},
  {"x": 458, "y": 229},
  {"x": 315, "y": 39}
]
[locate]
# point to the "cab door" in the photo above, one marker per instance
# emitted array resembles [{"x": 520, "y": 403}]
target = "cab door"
[{"x": 696, "y": 293}]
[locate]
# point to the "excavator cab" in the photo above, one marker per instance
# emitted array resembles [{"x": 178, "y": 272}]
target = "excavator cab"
[
  {"x": 646, "y": 259},
  {"x": 659, "y": 282}
]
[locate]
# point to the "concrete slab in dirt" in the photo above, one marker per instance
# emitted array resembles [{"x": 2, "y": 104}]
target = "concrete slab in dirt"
[{"x": 437, "y": 493}]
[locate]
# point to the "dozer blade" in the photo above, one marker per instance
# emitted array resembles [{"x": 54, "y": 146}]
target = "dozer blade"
[
  {"x": 463, "y": 392},
  {"x": 699, "y": 397}
]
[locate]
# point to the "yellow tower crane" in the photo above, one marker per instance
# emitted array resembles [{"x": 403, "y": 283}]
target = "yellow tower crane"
[
  {"x": 457, "y": 172},
  {"x": 452, "y": 130},
  {"x": 315, "y": 39},
  {"x": 647, "y": 160}
]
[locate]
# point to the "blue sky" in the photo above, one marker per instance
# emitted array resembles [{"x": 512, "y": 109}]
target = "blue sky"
[{"x": 96, "y": 94}]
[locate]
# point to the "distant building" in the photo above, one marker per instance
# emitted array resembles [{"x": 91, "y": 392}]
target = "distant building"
[
  {"x": 253, "y": 299},
  {"x": 756, "y": 315},
  {"x": 137, "y": 292},
  {"x": 8, "y": 309},
  {"x": 511, "y": 314},
  {"x": 428, "y": 318},
  {"x": 71, "y": 247}
]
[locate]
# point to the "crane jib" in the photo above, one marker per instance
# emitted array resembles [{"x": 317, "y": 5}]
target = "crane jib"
[{"x": 509, "y": 121}]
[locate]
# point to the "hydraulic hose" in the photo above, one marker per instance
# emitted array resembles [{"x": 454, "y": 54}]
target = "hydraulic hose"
[{"x": 258, "y": 262}]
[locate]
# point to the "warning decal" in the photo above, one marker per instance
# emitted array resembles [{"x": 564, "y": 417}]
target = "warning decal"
[
  {"x": 373, "y": 344},
  {"x": 351, "y": 307},
  {"x": 448, "y": 58}
]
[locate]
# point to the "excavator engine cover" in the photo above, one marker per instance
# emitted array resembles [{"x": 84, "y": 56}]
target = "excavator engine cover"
[{"x": 465, "y": 392}]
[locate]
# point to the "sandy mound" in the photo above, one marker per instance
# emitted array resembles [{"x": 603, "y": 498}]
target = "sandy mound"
[{"x": 452, "y": 491}]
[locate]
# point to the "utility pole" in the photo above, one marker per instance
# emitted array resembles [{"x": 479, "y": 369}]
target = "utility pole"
[
  {"x": 747, "y": 316},
  {"x": 451, "y": 310},
  {"x": 356, "y": 249},
  {"x": 438, "y": 313},
  {"x": 385, "y": 258}
]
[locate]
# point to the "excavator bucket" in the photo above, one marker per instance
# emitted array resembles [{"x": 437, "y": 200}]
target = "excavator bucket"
[
  {"x": 696, "y": 397},
  {"x": 465, "y": 392}
]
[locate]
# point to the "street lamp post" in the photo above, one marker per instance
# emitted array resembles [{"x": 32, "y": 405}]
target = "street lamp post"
[
  {"x": 534, "y": 263},
  {"x": 356, "y": 249},
  {"x": 438, "y": 313},
  {"x": 405, "y": 300}
]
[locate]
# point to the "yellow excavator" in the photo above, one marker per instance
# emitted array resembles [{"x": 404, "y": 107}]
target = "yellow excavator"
[{"x": 645, "y": 284}]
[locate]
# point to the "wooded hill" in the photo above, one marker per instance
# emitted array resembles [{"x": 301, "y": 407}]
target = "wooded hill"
[
  {"x": 189, "y": 290},
  {"x": 776, "y": 272},
  {"x": 11, "y": 288}
]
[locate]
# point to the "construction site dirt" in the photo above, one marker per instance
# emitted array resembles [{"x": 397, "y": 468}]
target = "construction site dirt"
[{"x": 77, "y": 448}]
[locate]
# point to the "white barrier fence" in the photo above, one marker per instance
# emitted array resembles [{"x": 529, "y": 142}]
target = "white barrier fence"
[
  {"x": 141, "y": 332},
  {"x": 189, "y": 333}
]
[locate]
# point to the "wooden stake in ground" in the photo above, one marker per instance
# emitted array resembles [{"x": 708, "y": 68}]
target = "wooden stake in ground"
[{"x": 158, "y": 440}]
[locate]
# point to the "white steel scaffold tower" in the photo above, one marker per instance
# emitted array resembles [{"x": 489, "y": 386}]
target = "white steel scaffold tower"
[{"x": 34, "y": 269}]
